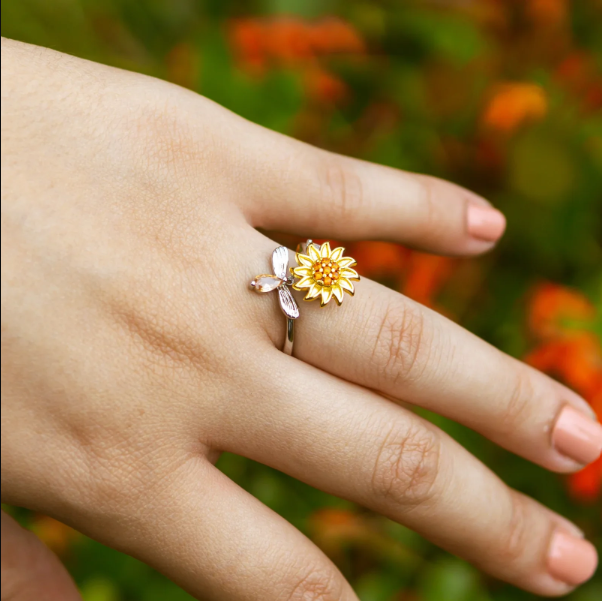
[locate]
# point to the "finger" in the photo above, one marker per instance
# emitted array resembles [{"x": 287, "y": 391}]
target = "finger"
[
  {"x": 386, "y": 342},
  {"x": 304, "y": 190},
  {"x": 355, "y": 444},
  {"x": 219, "y": 543},
  {"x": 30, "y": 571}
]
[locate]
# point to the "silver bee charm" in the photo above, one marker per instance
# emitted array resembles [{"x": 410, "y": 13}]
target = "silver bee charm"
[{"x": 281, "y": 280}]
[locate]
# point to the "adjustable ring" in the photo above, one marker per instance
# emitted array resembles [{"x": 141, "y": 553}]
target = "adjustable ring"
[{"x": 323, "y": 273}]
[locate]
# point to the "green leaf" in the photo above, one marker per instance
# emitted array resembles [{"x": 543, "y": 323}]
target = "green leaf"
[
  {"x": 302, "y": 8},
  {"x": 448, "y": 37},
  {"x": 542, "y": 168},
  {"x": 453, "y": 580},
  {"x": 377, "y": 586},
  {"x": 99, "y": 589}
]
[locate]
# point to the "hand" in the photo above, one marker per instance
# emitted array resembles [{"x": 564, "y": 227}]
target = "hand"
[{"x": 133, "y": 352}]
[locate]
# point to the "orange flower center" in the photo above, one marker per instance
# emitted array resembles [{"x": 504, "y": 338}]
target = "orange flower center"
[{"x": 326, "y": 272}]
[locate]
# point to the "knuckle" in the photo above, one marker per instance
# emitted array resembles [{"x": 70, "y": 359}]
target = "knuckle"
[
  {"x": 118, "y": 480},
  {"x": 407, "y": 465},
  {"x": 517, "y": 403},
  {"x": 122, "y": 468},
  {"x": 433, "y": 224},
  {"x": 515, "y": 540},
  {"x": 428, "y": 204},
  {"x": 342, "y": 189},
  {"x": 160, "y": 335},
  {"x": 170, "y": 144},
  {"x": 317, "y": 585},
  {"x": 156, "y": 335},
  {"x": 163, "y": 134},
  {"x": 400, "y": 343},
  {"x": 120, "y": 493}
]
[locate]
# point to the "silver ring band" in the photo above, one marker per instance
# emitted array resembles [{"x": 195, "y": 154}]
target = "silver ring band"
[
  {"x": 323, "y": 273},
  {"x": 289, "y": 341}
]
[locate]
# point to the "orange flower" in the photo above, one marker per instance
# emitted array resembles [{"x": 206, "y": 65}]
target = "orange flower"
[
  {"x": 324, "y": 87},
  {"x": 419, "y": 275},
  {"x": 595, "y": 398},
  {"x": 586, "y": 485},
  {"x": 426, "y": 276},
  {"x": 247, "y": 37},
  {"x": 573, "y": 355},
  {"x": 514, "y": 104},
  {"x": 380, "y": 260},
  {"x": 580, "y": 73},
  {"x": 181, "y": 65},
  {"x": 291, "y": 40},
  {"x": 333, "y": 36},
  {"x": 339, "y": 520},
  {"x": 547, "y": 12},
  {"x": 593, "y": 97},
  {"x": 288, "y": 40},
  {"x": 552, "y": 306},
  {"x": 334, "y": 529},
  {"x": 574, "y": 68},
  {"x": 576, "y": 359}
]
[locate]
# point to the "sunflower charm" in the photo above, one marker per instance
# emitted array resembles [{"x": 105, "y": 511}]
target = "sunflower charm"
[{"x": 324, "y": 273}]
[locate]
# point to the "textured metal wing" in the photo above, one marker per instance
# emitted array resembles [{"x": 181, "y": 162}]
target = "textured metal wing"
[
  {"x": 280, "y": 262},
  {"x": 287, "y": 302}
]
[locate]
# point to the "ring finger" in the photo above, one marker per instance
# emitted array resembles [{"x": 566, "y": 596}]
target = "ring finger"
[{"x": 386, "y": 342}]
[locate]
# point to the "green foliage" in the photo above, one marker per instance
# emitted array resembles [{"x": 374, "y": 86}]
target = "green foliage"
[{"x": 452, "y": 580}]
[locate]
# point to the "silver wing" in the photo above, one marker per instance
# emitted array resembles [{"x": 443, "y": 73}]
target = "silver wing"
[
  {"x": 280, "y": 262},
  {"x": 287, "y": 302}
]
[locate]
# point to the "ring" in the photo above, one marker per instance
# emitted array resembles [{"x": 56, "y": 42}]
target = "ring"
[
  {"x": 281, "y": 280},
  {"x": 323, "y": 273}
]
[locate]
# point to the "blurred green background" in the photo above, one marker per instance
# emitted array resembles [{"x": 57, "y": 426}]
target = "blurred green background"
[{"x": 504, "y": 97}]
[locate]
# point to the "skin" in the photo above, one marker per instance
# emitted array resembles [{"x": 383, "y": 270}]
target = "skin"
[{"x": 133, "y": 352}]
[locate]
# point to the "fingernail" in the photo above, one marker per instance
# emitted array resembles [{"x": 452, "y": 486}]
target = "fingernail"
[
  {"x": 485, "y": 223},
  {"x": 571, "y": 560},
  {"x": 577, "y": 436}
]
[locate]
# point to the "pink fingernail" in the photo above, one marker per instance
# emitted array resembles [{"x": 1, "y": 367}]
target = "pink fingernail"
[
  {"x": 577, "y": 436},
  {"x": 485, "y": 223},
  {"x": 571, "y": 560}
]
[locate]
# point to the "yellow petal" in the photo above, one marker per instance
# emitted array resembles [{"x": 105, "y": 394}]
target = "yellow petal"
[
  {"x": 346, "y": 262},
  {"x": 350, "y": 273},
  {"x": 305, "y": 282},
  {"x": 337, "y": 292},
  {"x": 314, "y": 292},
  {"x": 313, "y": 252},
  {"x": 346, "y": 285},
  {"x": 301, "y": 271},
  {"x": 325, "y": 250},
  {"x": 304, "y": 260},
  {"x": 326, "y": 295},
  {"x": 337, "y": 253}
]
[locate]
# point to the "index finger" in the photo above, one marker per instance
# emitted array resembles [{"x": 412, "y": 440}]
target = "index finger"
[{"x": 297, "y": 188}]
